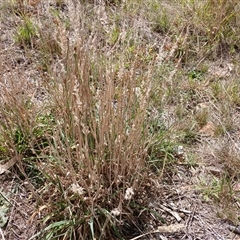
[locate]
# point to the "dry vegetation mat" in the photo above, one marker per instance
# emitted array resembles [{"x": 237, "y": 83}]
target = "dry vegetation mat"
[{"x": 119, "y": 119}]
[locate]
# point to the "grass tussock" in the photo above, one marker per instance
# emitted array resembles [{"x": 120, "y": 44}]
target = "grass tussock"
[
  {"x": 99, "y": 147},
  {"x": 88, "y": 142}
]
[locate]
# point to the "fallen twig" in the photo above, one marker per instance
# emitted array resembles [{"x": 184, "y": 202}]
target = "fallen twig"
[{"x": 2, "y": 235}]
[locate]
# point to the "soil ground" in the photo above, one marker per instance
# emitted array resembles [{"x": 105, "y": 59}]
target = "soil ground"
[{"x": 186, "y": 212}]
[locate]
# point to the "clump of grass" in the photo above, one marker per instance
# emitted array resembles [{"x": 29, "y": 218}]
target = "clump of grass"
[
  {"x": 228, "y": 156},
  {"x": 26, "y": 32},
  {"x": 98, "y": 153},
  {"x": 220, "y": 186},
  {"x": 91, "y": 148},
  {"x": 210, "y": 27},
  {"x": 220, "y": 191},
  {"x": 159, "y": 18}
]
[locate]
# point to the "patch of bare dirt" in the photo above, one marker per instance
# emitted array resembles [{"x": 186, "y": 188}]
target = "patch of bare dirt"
[
  {"x": 181, "y": 212},
  {"x": 20, "y": 224}
]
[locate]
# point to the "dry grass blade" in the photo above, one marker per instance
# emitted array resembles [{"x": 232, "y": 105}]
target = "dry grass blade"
[{"x": 2, "y": 235}]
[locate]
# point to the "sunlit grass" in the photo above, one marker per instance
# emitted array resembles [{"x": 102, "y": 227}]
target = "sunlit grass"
[{"x": 125, "y": 84}]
